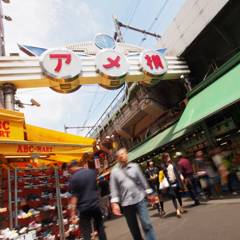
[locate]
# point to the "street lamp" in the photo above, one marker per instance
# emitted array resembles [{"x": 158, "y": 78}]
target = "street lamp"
[{"x": 33, "y": 103}]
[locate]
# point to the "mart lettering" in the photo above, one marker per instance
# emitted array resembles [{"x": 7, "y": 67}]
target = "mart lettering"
[
  {"x": 4, "y": 134},
  {"x": 44, "y": 149}
]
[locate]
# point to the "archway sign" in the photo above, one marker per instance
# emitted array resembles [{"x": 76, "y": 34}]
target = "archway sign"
[{"x": 102, "y": 61}]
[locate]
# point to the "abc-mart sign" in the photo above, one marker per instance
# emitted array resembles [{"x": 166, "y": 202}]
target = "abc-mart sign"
[{"x": 112, "y": 67}]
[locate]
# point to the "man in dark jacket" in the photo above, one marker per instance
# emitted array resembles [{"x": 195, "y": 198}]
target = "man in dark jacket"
[
  {"x": 186, "y": 169},
  {"x": 85, "y": 200}
]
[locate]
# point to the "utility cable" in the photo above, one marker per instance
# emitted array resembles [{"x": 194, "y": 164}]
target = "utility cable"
[
  {"x": 154, "y": 21},
  {"x": 133, "y": 13}
]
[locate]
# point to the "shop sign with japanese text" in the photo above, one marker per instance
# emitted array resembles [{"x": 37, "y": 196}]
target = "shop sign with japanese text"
[{"x": 64, "y": 65}]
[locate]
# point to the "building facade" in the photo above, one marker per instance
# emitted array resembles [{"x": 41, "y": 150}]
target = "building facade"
[{"x": 206, "y": 39}]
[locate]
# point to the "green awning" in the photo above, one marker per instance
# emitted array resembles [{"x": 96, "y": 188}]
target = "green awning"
[
  {"x": 155, "y": 142},
  {"x": 220, "y": 94}
]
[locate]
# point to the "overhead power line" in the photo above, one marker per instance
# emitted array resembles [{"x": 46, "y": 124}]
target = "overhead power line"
[
  {"x": 155, "y": 20},
  {"x": 158, "y": 15},
  {"x": 134, "y": 12}
]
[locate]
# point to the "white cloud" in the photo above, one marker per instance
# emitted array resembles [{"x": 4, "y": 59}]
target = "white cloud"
[{"x": 52, "y": 23}]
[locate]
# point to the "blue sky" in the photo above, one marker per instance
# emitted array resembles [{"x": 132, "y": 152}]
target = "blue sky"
[{"x": 55, "y": 23}]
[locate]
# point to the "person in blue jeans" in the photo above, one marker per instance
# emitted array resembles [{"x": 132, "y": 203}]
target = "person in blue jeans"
[{"x": 128, "y": 191}]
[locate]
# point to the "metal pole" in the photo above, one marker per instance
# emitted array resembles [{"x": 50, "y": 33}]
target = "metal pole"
[
  {"x": 16, "y": 196},
  {"x": 9, "y": 91},
  {"x": 10, "y": 199},
  {"x": 138, "y": 30},
  {"x": 118, "y": 30},
  {"x": 59, "y": 206},
  {"x": 1, "y": 98}
]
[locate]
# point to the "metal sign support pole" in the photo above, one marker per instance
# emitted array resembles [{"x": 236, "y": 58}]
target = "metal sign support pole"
[
  {"x": 59, "y": 206},
  {"x": 10, "y": 199},
  {"x": 16, "y": 196}
]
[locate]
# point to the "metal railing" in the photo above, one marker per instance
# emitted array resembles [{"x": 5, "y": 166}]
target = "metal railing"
[{"x": 112, "y": 108}]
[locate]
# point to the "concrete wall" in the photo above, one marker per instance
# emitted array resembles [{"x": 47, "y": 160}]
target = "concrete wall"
[{"x": 189, "y": 22}]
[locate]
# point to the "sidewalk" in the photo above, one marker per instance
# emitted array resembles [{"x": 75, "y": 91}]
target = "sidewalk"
[{"x": 213, "y": 220}]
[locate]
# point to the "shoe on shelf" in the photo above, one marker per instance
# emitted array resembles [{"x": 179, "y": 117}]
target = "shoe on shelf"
[
  {"x": 2, "y": 210},
  {"x": 65, "y": 221},
  {"x": 33, "y": 225},
  {"x": 65, "y": 195},
  {"x": 73, "y": 227},
  {"x": 9, "y": 234},
  {"x": 21, "y": 214},
  {"x": 234, "y": 193},
  {"x": 34, "y": 212},
  {"x": 47, "y": 208},
  {"x": 49, "y": 237},
  {"x": 23, "y": 230}
]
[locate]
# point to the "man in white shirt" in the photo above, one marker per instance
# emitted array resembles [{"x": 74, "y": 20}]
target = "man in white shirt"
[{"x": 128, "y": 190}]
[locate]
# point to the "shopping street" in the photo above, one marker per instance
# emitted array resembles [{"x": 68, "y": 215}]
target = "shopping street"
[
  {"x": 215, "y": 219},
  {"x": 94, "y": 119}
]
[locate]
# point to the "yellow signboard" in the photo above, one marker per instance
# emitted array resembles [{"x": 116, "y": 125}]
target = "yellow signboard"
[
  {"x": 11, "y": 125},
  {"x": 26, "y": 148}
]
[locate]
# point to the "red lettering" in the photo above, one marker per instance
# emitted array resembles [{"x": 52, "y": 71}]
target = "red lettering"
[
  {"x": 25, "y": 148},
  {"x": 112, "y": 62},
  {"x": 7, "y": 133},
  {"x": 30, "y": 148},
  {"x": 44, "y": 149},
  {"x": 60, "y": 57},
  {"x": 4, "y": 125},
  {"x": 19, "y": 149},
  {"x": 154, "y": 61},
  {"x": 38, "y": 149}
]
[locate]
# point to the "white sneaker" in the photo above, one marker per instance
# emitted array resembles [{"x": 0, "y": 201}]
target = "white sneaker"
[{"x": 23, "y": 230}]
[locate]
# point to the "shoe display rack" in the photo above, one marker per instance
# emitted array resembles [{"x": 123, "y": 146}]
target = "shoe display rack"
[
  {"x": 39, "y": 199},
  {"x": 6, "y": 204},
  {"x": 71, "y": 231}
]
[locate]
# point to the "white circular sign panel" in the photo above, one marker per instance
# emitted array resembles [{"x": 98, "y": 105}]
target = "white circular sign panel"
[
  {"x": 112, "y": 64},
  {"x": 61, "y": 64},
  {"x": 153, "y": 63}
]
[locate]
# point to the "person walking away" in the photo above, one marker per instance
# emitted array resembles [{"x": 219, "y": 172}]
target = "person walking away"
[
  {"x": 151, "y": 174},
  {"x": 83, "y": 186},
  {"x": 186, "y": 169},
  {"x": 225, "y": 162},
  {"x": 200, "y": 168},
  {"x": 128, "y": 188},
  {"x": 163, "y": 187},
  {"x": 104, "y": 189},
  {"x": 175, "y": 180}
]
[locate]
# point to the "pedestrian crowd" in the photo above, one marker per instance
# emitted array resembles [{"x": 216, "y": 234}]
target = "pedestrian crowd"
[{"x": 133, "y": 191}]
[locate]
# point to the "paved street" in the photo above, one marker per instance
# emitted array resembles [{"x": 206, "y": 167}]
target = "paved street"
[{"x": 214, "y": 220}]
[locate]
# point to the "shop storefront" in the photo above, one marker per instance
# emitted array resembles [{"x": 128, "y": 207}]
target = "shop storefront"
[
  {"x": 33, "y": 186},
  {"x": 210, "y": 119}
]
